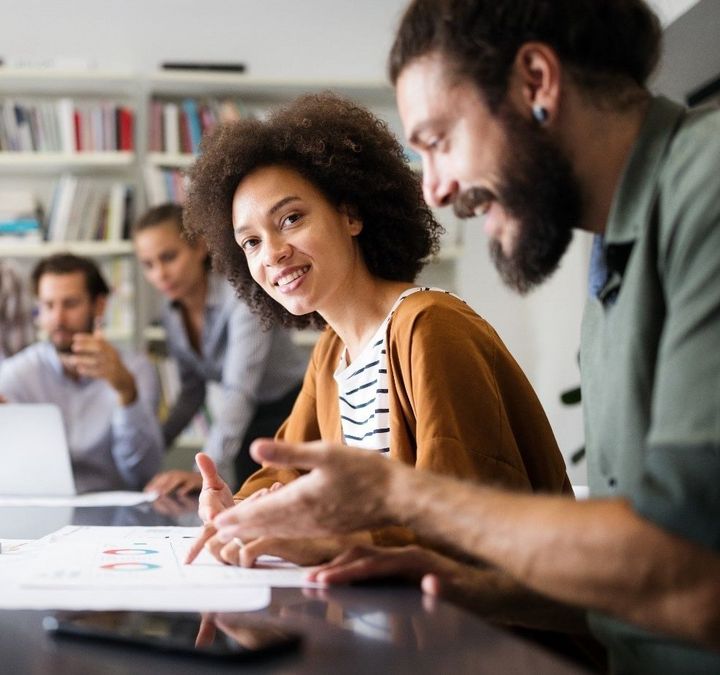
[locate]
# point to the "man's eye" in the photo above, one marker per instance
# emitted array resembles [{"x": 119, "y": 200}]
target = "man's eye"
[{"x": 249, "y": 244}]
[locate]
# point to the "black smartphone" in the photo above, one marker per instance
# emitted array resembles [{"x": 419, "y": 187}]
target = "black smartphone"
[{"x": 229, "y": 636}]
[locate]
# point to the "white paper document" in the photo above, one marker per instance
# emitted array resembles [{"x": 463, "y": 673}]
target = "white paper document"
[
  {"x": 81, "y": 567},
  {"x": 146, "y": 557},
  {"x": 116, "y": 498}
]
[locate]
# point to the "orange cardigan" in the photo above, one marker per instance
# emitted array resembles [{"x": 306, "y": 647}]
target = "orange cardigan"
[{"x": 459, "y": 403}]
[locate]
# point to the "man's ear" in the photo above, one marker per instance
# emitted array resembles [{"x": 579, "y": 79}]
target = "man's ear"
[{"x": 536, "y": 80}]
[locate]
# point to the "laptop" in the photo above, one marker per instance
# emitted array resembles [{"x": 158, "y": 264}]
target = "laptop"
[{"x": 34, "y": 454}]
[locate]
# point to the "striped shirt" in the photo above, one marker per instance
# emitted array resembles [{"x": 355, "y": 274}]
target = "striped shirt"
[{"x": 363, "y": 389}]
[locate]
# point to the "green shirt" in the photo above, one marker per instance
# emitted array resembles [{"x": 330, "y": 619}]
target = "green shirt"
[{"x": 650, "y": 355}]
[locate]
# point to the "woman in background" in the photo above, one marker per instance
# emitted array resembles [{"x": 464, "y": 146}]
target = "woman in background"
[{"x": 214, "y": 337}]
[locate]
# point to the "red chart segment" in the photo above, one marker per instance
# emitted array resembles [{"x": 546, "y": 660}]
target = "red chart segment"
[{"x": 130, "y": 566}]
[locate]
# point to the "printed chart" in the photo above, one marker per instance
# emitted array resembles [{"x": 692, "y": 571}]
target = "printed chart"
[{"x": 103, "y": 557}]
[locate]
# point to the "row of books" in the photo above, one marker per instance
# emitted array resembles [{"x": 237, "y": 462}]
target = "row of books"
[
  {"x": 177, "y": 126},
  {"x": 164, "y": 185},
  {"x": 89, "y": 209},
  {"x": 65, "y": 125},
  {"x": 20, "y": 215}
]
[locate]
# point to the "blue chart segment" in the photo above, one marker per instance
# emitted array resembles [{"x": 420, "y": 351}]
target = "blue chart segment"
[
  {"x": 136, "y": 550},
  {"x": 129, "y": 551}
]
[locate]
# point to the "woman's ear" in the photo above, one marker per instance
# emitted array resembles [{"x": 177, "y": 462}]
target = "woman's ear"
[{"x": 354, "y": 223}]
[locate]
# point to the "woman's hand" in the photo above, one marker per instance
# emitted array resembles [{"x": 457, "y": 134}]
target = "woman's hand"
[
  {"x": 215, "y": 497},
  {"x": 302, "y": 551}
]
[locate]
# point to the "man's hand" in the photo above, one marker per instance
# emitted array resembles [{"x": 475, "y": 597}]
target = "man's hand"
[
  {"x": 94, "y": 356},
  {"x": 176, "y": 482},
  {"x": 317, "y": 504},
  {"x": 481, "y": 589},
  {"x": 411, "y": 563}
]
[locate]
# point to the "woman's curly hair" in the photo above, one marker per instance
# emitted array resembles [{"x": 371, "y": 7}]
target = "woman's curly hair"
[{"x": 349, "y": 155}]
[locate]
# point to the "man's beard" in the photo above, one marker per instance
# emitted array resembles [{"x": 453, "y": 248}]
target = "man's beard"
[
  {"x": 65, "y": 346},
  {"x": 540, "y": 192}
]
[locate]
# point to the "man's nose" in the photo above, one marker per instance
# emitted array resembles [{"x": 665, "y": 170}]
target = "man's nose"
[{"x": 439, "y": 189}]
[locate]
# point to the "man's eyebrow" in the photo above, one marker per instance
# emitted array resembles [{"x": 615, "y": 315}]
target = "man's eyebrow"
[
  {"x": 414, "y": 137},
  {"x": 273, "y": 209}
]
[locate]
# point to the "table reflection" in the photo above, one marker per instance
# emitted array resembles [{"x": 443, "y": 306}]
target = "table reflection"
[{"x": 33, "y": 522}]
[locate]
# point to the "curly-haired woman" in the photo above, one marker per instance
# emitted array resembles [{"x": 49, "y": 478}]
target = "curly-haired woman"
[{"x": 317, "y": 219}]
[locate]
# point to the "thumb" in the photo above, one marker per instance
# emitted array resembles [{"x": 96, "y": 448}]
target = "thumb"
[
  {"x": 208, "y": 470},
  {"x": 297, "y": 455},
  {"x": 98, "y": 328}
]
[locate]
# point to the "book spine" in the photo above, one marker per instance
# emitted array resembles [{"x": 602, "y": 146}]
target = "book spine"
[{"x": 65, "y": 111}]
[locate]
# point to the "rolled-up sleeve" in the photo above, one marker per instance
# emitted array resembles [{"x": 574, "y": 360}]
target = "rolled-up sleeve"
[
  {"x": 137, "y": 446},
  {"x": 245, "y": 362},
  {"x": 679, "y": 488}
]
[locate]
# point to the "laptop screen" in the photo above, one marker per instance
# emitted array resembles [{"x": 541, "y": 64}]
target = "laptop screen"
[{"x": 34, "y": 451}]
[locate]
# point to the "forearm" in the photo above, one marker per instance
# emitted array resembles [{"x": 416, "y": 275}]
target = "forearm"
[
  {"x": 501, "y": 599},
  {"x": 188, "y": 403},
  {"x": 124, "y": 384},
  {"x": 229, "y": 428},
  {"x": 137, "y": 444},
  {"x": 595, "y": 554}
]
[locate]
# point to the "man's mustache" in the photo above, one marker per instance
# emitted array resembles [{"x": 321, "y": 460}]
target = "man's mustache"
[{"x": 467, "y": 202}]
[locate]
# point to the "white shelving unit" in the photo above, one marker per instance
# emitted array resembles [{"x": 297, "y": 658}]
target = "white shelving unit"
[
  {"x": 59, "y": 161},
  {"x": 137, "y": 91},
  {"x": 39, "y": 171},
  {"x": 93, "y": 249}
]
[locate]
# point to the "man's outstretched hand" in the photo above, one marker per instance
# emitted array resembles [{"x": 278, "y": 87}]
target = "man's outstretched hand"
[{"x": 345, "y": 490}]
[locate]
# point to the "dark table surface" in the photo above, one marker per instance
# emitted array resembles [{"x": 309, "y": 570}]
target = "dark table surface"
[{"x": 359, "y": 629}]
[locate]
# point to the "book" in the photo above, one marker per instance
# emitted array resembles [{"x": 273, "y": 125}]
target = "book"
[
  {"x": 65, "y": 111},
  {"x": 125, "y": 130},
  {"x": 190, "y": 106},
  {"x": 115, "y": 212}
]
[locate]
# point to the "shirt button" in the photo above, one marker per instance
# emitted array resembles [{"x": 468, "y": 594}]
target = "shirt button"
[{"x": 612, "y": 483}]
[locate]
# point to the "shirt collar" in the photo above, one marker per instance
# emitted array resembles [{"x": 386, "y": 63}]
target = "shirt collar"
[
  {"x": 214, "y": 297},
  {"x": 635, "y": 195},
  {"x": 633, "y": 200}
]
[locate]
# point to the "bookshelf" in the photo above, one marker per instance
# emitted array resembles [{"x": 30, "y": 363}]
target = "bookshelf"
[
  {"x": 66, "y": 162},
  {"x": 152, "y": 173}
]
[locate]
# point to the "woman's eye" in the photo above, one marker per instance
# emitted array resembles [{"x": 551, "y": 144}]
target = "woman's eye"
[
  {"x": 290, "y": 219},
  {"x": 248, "y": 244}
]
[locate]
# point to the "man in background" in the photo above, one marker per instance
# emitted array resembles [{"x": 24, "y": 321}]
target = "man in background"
[
  {"x": 536, "y": 115},
  {"x": 107, "y": 400}
]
